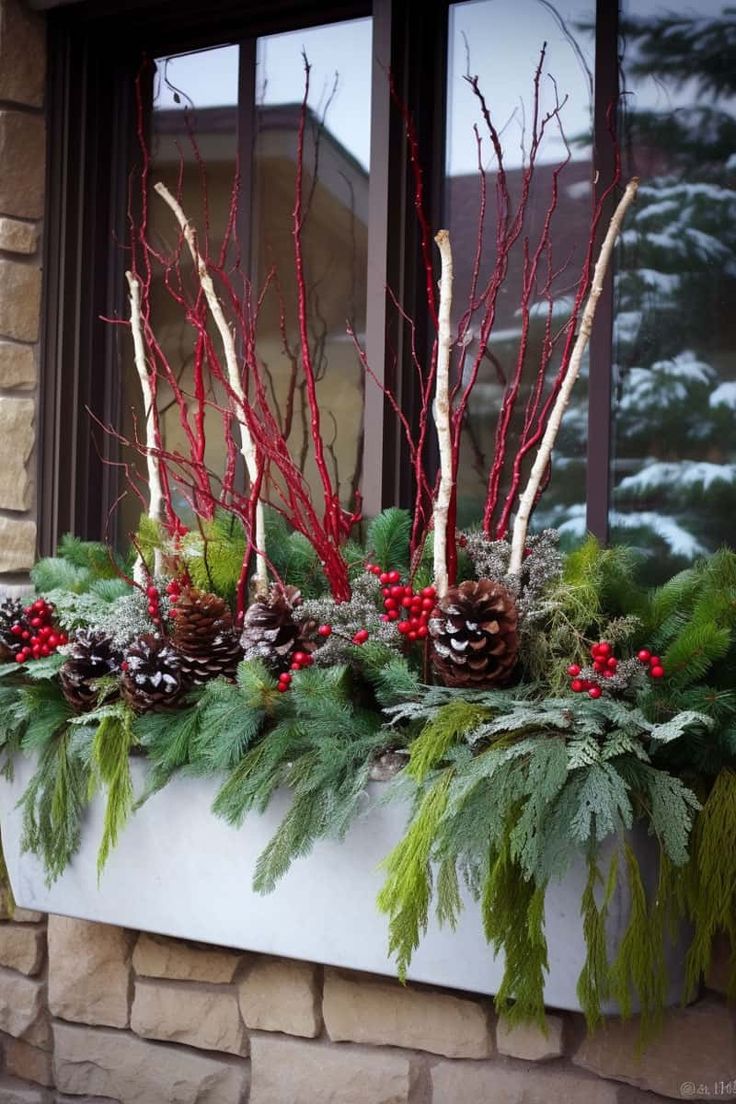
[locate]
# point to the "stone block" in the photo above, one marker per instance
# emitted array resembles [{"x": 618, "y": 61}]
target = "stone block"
[
  {"x": 21, "y": 1001},
  {"x": 16, "y": 434},
  {"x": 116, "y": 1064},
  {"x": 299, "y": 1072},
  {"x": 17, "y": 544},
  {"x": 387, "y": 1013},
  {"x": 28, "y": 1062},
  {"x": 23, "y": 158},
  {"x": 506, "y": 1083},
  {"x": 89, "y": 972},
  {"x": 179, "y": 1012},
  {"x": 695, "y": 1046},
  {"x": 17, "y": 236},
  {"x": 22, "y": 54},
  {"x": 22, "y": 947},
  {"x": 13, "y": 1091},
  {"x": 156, "y": 956},
  {"x": 281, "y": 995},
  {"x": 20, "y": 299},
  {"x": 17, "y": 365},
  {"x": 529, "y": 1041},
  {"x": 39, "y": 1033}
]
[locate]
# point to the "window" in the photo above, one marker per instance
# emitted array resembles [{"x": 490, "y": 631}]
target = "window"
[{"x": 648, "y": 447}]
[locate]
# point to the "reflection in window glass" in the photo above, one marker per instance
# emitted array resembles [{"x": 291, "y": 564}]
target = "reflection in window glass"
[
  {"x": 500, "y": 42},
  {"x": 335, "y": 235},
  {"x": 674, "y": 465},
  {"x": 201, "y": 145}
]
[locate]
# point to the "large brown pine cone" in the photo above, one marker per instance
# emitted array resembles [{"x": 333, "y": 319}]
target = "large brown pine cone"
[
  {"x": 91, "y": 656},
  {"x": 11, "y": 613},
  {"x": 153, "y": 675},
  {"x": 270, "y": 632},
  {"x": 204, "y": 636},
  {"x": 474, "y": 635}
]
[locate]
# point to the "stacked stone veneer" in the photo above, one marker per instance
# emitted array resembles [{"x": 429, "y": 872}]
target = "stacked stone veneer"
[
  {"x": 95, "y": 1012},
  {"x": 22, "y": 173}
]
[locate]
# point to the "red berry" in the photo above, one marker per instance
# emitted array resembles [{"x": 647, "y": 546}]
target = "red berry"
[
  {"x": 392, "y": 615},
  {"x": 45, "y": 650},
  {"x": 576, "y": 686},
  {"x": 384, "y": 577},
  {"x": 412, "y": 635},
  {"x": 390, "y": 604},
  {"x": 656, "y": 672},
  {"x": 644, "y": 655},
  {"x": 360, "y": 636},
  {"x": 428, "y": 592},
  {"x": 324, "y": 630},
  {"x": 53, "y": 641},
  {"x": 376, "y": 570},
  {"x": 282, "y": 687},
  {"x": 407, "y": 600},
  {"x": 427, "y": 603},
  {"x": 300, "y": 657},
  {"x": 20, "y": 657},
  {"x": 386, "y": 592},
  {"x": 594, "y": 650},
  {"x": 608, "y": 674},
  {"x": 63, "y": 638},
  {"x": 152, "y": 610},
  {"x": 369, "y": 567},
  {"x": 25, "y": 635},
  {"x": 573, "y": 669},
  {"x": 655, "y": 661},
  {"x": 394, "y": 576},
  {"x": 36, "y": 622},
  {"x": 16, "y": 630},
  {"x": 285, "y": 677},
  {"x": 295, "y": 666},
  {"x": 612, "y": 663},
  {"x": 404, "y": 626},
  {"x": 595, "y": 692},
  {"x": 36, "y": 651},
  {"x": 397, "y": 591},
  {"x": 599, "y": 665},
  {"x": 124, "y": 665},
  {"x": 151, "y": 592},
  {"x": 604, "y": 648},
  {"x": 422, "y": 631}
]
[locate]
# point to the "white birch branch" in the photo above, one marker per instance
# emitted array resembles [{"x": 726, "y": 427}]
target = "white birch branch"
[
  {"x": 526, "y": 502},
  {"x": 155, "y": 493},
  {"x": 442, "y": 414},
  {"x": 247, "y": 447}
]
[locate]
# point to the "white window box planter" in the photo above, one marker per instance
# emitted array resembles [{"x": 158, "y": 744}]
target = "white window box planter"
[{"x": 179, "y": 870}]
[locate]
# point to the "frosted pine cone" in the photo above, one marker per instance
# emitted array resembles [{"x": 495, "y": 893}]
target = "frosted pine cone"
[
  {"x": 270, "y": 632},
  {"x": 204, "y": 636},
  {"x": 91, "y": 656},
  {"x": 153, "y": 675},
  {"x": 474, "y": 635}
]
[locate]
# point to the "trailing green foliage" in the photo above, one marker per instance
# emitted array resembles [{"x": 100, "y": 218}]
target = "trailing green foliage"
[
  {"x": 711, "y": 889},
  {"x": 53, "y": 804},
  {"x": 110, "y": 767}
]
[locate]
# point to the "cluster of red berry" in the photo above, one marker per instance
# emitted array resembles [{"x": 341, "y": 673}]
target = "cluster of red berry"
[
  {"x": 41, "y": 636},
  {"x": 298, "y": 661},
  {"x": 605, "y": 665},
  {"x": 154, "y": 602},
  {"x": 411, "y": 609},
  {"x": 656, "y": 669}
]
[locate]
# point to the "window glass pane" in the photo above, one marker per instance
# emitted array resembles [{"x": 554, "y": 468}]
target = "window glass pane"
[
  {"x": 193, "y": 150},
  {"x": 674, "y": 463},
  {"x": 500, "y": 42},
  {"x": 335, "y": 234},
  {"x": 196, "y": 153}
]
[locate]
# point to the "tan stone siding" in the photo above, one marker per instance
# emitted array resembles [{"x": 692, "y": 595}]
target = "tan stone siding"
[
  {"x": 22, "y": 182},
  {"x": 108, "y": 1015}
]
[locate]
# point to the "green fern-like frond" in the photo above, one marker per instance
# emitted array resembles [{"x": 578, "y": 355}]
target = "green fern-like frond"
[
  {"x": 455, "y": 721},
  {"x": 406, "y": 894},
  {"x": 593, "y": 987},
  {"x": 229, "y": 722},
  {"x": 53, "y": 804},
  {"x": 111, "y": 766}
]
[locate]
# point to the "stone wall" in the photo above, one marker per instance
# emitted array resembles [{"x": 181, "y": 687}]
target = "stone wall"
[
  {"x": 93, "y": 1013},
  {"x": 22, "y": 181}
]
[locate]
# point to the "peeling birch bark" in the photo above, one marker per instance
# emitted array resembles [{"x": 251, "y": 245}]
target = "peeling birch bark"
[{"x": 442, "y": 414}]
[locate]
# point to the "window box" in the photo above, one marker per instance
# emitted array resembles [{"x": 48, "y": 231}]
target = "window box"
[{"x": 179, "y": 870}]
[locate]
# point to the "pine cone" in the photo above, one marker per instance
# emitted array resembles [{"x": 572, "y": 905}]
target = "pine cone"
[
  {"x": 474, "y": 637},
  {"x": 153, "y": 674},
  {"x": 204, "y": 636},
  {"x": 270, "y": 632},
  {"x": 11, "y": 613},
  {"x": 91, "y": 656}
]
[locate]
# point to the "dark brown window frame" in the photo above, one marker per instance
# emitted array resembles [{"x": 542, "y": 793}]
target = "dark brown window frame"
[{"x": 95, "y": 50}]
